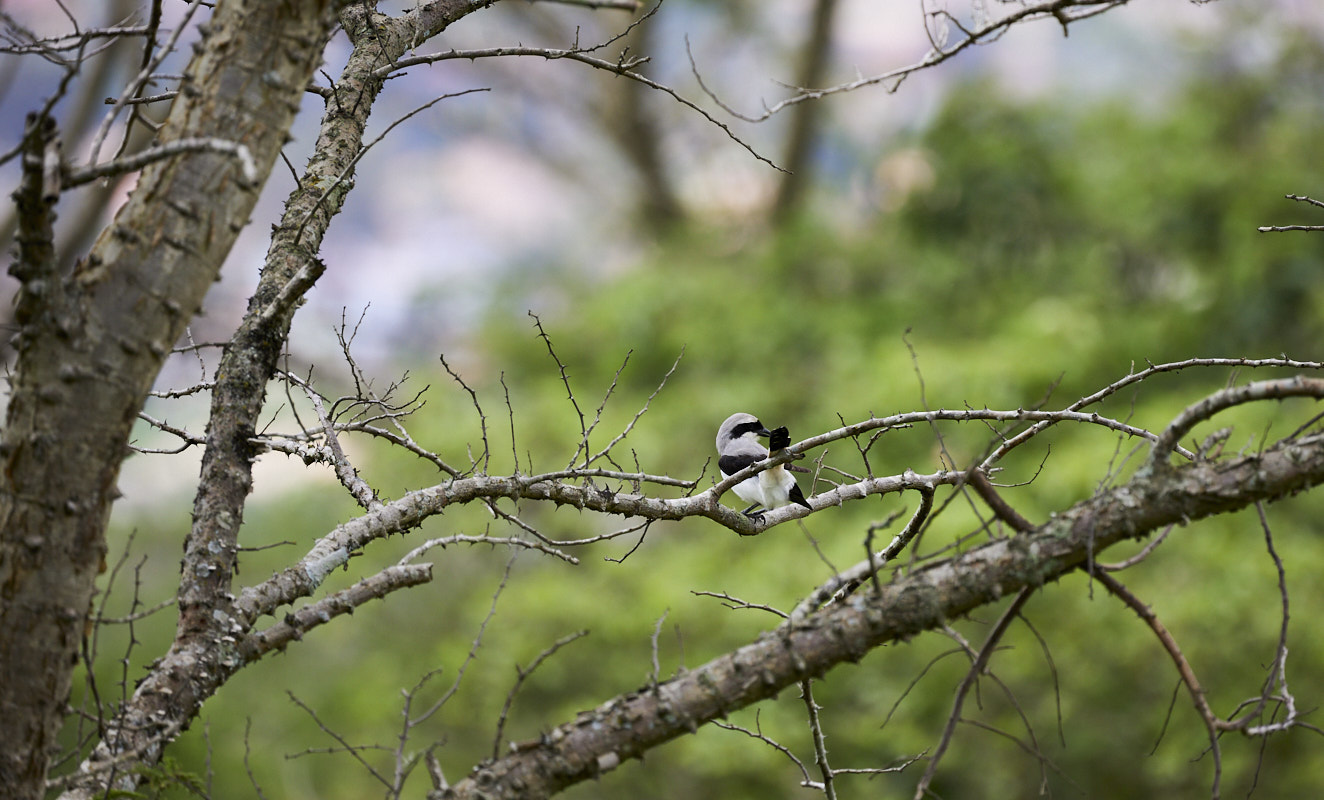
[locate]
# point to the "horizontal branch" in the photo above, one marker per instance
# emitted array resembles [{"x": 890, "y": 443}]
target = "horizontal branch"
[
  {"x": 408, "y": 511},
  {"x": 598, "y": 740},
  {"x": 1138, "y": 376},
  {"x": 1064, "y": 11},
  {"x": 1041, "y": 418},
  {"x": 1300, "y": 198},
  {"x": 137, "y": 161}
]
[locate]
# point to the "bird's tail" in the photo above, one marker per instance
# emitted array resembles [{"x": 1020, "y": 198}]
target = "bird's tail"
[{"x": 779, "y": 439}]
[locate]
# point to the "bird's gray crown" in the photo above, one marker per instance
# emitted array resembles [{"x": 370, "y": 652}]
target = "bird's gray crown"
[{"x": 736, "y": 426}]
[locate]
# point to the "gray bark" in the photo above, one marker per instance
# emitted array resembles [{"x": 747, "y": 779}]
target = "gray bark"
[
  {"x": 91, "y": 343},
  {"x": 207, "y": 648},
  {"x": 628, "y": 726}
]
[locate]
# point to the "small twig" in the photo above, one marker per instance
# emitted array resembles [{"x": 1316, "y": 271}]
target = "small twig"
[
  {"x": 977, "y": 668},
  {"x": 510, "y": 414},
  {"x": 626, "y": 432},
  {"x": 488, "y": 540},
  {"x": 736, "y": 603},
  {"x": 623, "y": 66},
  {"x": 482, "y": 418},
  {"x": 976, "y": 479},
  {"x": 1300, "y": 198},
  {"x": 1280, "y": 228},
  {"x": 522, "y": 675},
  {"x": 139, "y": 80},
  {"x": 248, "y": 767},
  {"x": 345, "y": 746},
  {"x": 657, "y": 665},
  {"x": 846, "y": 582},
  {"x": 940, "y": 51},
  {"x": 643, "y": 526},
  {"x": 137, "y": 615},
  {"x": 820, "y": 745},
  {"x": 597, "y": 417},
  {"x": 1138, "y": 557},
  {"x": 330, "y": 185},
  {"x": 619, "y": 5},
  {"x": 869, "y": 552},
  {"x": 778, "y": 746},
  {"x": 565, "y": 380},
  {"x": 188, "y": 439},
  {"x": 1278, "y": 672},
  {"x": 403, "y": 764},
  {"x": 473, "y": 648},
  {"x": 1142, "y": 375},
  {"x": 137, "y": 161},
  {"x": 358, "y": 488},
  {"x": 1052, "y": 671}
]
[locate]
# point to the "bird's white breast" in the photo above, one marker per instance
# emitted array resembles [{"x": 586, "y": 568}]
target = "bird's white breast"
[{"x": 775, "y": 487}]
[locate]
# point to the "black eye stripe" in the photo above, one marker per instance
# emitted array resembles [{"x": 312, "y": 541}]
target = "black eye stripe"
[{"x": 746, "y": 427}]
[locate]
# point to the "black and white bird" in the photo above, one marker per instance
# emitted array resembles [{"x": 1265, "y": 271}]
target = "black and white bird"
[{"x": 738, "y": 447}]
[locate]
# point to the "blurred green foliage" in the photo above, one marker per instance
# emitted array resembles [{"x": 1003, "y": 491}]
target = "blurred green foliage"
[{"x": 1038, "y": 251}]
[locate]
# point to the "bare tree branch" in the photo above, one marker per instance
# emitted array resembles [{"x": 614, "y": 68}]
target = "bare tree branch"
[
  {"x": 296, "y": 624},
  {"x": 1300, "y": 199},
  {"x": 977, "y": 669},
  {"x": 582, "y": 749},
  {"x": 169, "y": 150},
  {"x": 1064, "y": 11}
]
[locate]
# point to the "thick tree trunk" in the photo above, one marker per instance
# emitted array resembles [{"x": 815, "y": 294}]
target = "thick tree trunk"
[
  {"x": 806, "y": 118},
  {"x": 92, "y": 342}
]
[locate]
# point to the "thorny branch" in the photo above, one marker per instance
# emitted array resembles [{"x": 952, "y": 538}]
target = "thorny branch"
[
  {"x": 1289, "y": 465},
  {"x": 521, "y": 675},
  {"x": 1275, "y": 685},
  {"x": 937, "y": 23},
  {"x": 926, "y": 598},
  {"x": 569, "y": 487}
]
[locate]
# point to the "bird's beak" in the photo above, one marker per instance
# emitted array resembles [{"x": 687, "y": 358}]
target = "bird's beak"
[{"x": 764, "y": 432}]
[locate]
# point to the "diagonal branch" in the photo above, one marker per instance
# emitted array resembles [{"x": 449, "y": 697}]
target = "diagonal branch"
[
  {"x": 1136, "y": 377},
  {"x": 597, "y": 740},
  {"x": 137, "y": 161},
  {"x": 296, "y": 624}
]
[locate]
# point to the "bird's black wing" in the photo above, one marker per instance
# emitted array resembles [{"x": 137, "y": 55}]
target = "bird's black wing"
[{"x": 730, "y": 465}]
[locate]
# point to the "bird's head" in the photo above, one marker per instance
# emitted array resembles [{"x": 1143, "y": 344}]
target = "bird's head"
[{"x": 740, "y": 426}]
